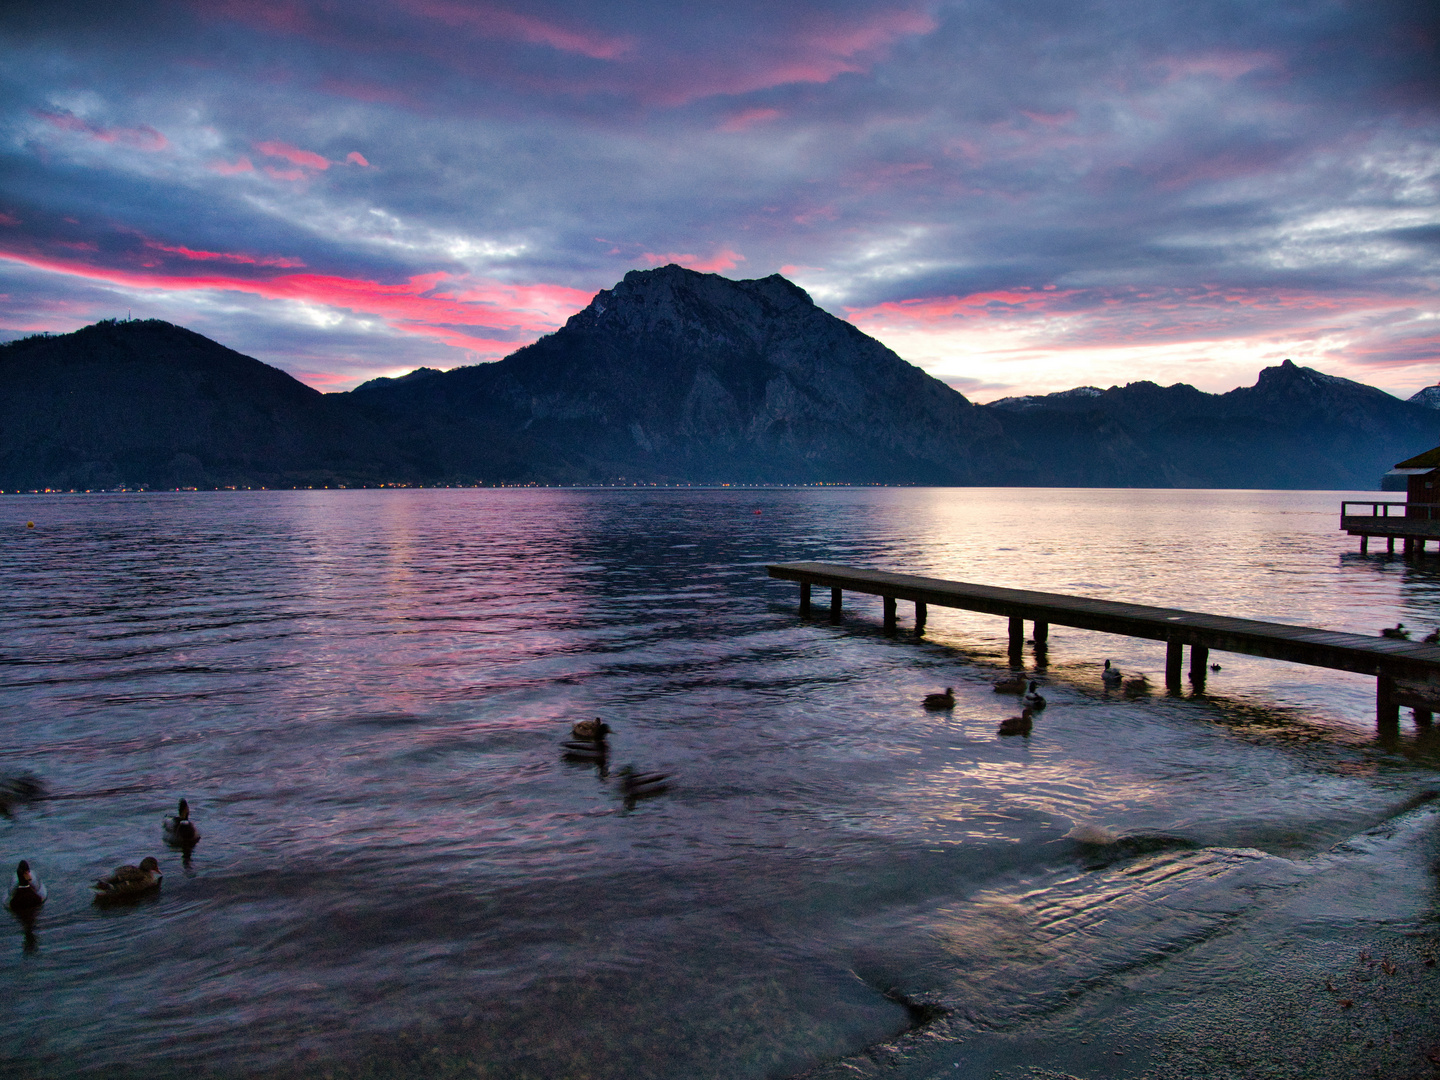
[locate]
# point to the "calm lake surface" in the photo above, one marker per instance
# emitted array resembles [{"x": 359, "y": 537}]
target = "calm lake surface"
[{"x": 362, "y": 696}]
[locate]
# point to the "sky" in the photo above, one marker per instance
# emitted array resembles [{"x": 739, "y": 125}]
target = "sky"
[{"x": 1020, "y": 197}]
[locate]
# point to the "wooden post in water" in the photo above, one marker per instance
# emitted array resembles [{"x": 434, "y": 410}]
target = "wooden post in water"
[
  {"x": 1199, "y": 657},
  {"x": 889, "y": 613},
  {"x": 835, "y": 605},
  {"x": 1424, "y": 717},
  {"x": 1042, "y": 636},
  {"x": 1174, "y": 653},
  {"x": 1017, "y": 640},
  {"x": 920, "y": 612},
  {"x": 1389, "y": 545},
  {"x": 1364, "y": 545},
  {"x": 804, "y": 599},
  {"x": 1387, "y": 713}
]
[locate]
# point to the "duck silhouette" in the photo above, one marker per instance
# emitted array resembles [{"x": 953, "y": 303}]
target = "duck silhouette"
[
  {"x": 1032, "y": 699},
  {"x": 1396, "y": 631},
  {"x": 1111, "y": 675},
  {"x": 27, "y": 893},
  {"x": 1011, "y": 684},
  {"x": 944, "y": 700},
  {"x": 590, "y": 729},
  {"x": 179, "y": 830},
  {"x": 1017, "y": 725},
  {"x": 128, "y": 882}
]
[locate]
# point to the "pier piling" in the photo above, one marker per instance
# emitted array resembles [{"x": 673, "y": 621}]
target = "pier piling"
[{"x": 1416, "y": 665}]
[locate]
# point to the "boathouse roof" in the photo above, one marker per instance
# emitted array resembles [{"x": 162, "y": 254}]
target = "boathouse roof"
[{"x": 1430, "y": 459}]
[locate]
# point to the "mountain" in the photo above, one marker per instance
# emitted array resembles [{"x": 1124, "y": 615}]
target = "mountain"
[
  {"x": 145, "y": 403},
  {"x": 1429, "y": 397},
  {"x": 675, "y": 375},
  {"x": 1295, "y": 428}
]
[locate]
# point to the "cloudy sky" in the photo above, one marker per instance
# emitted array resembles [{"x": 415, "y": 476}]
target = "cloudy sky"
[{"x": 1018, "y": 196}]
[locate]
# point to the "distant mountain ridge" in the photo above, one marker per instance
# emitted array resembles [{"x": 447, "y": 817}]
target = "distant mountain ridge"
[
  {"x": 1295, "y": 428},
  {"x": 672, "y": 376}
]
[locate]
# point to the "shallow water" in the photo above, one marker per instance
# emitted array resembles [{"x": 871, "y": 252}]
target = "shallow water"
[{"x": 362, "y": 695}]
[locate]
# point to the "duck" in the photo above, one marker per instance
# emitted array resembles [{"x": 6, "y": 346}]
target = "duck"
[
  {"x": 1017, "y": 725},
  {"x": 637, "y": 785},
  {"x": 593, "y": 730},
  {"x": 945, "y": 700},
  {"x": 1432, "y": 638},
  {"x": 1111, "y": 675},
  {"x": 1137, "y": 684},
  {"x": 1396, "y": 631},
  {"x": 1032, "y": 699},
  {"x": 1011, "y": 684},
  {"x": 125, "y": 882},
  {"x": 27, "y": 893},
  {"x": 1215, "y": 667},
  {"x": 179, "y": 829}
]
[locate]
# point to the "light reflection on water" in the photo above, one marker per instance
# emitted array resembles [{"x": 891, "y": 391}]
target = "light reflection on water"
[{"x": 362, "y": 695}]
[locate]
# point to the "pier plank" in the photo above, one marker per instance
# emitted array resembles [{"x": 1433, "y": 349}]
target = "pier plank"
[{"x": 1387, "y": 658}]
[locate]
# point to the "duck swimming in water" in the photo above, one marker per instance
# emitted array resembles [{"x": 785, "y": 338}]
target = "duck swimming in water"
[
  {"x": 1396, "y": 631},
  {"x": 1011, "y": 684},
  {"x": 593, "y": 730},
  {"x": 1111, "y": 675},
  {"x": 127, "y": 882},
  {"x": 941, "y": 701},
  {"x": 27, "y": 893},
  {"x": 1017, "y": 725},
  {"x": 1032, "y": 699},
  {"x": 179, "y": 829}
]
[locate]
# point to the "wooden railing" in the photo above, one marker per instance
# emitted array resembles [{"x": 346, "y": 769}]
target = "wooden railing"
[{"x": 1423, "y": 511}]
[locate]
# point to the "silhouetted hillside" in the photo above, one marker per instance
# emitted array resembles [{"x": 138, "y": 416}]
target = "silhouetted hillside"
[
  {"x": 148, "y": 403},
  {"x": 1295, "y": 428}
]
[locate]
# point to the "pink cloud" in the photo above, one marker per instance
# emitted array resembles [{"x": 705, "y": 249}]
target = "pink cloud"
[
  {"x": 436, "y": 306},
  {"x": 225, "y": 256},
  {"x": 8, "y": 219},
  {"x": 721, "y": 260},
  {"x": 748, "y": 118},
  {"x": 140, "y": 138},
  {"x": 1219, "y": 64},
  {"x": 294, "y": 155},
  {"x": 285, "y": 174},
  {"x": 356, "y": 158},
  {"x": 488, "y": 20},
  {"x": 225, "y": 168}
]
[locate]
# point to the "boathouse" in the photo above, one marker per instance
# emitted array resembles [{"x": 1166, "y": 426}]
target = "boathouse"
[{"x": 1413, "y": 521}]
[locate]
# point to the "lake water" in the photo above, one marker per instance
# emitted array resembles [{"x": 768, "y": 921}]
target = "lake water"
[{"x": 362, "y": 696}]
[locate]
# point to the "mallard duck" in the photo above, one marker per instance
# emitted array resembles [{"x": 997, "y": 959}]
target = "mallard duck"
[
  {"x": 941, "y": 701},
  {"x": 1017, "y": 725},
  {"x": 1214, "y": 667},
  {"x": 1032, "y": 699},
  {"x": 1137, "y": 684},
  {"x": 1111, "y": 675},
  {"x": 27, "y": 893},
  {"x": 637, "y": 785},
  {"x": 127, "y": 881},
  {"x": 1396, "y": 631},
  {"x": 1011, "y": 684},
  {"x": 593, "y": 730},
  {"x": 179, "y": 829}
]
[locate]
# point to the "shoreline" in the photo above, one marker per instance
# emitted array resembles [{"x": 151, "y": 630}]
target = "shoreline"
[{"x": 1338, "y": 979}]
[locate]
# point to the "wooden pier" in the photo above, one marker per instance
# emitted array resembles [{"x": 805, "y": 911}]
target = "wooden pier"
[
  {"x": 1406, "y": 672},
  {"x": 1412, "y": 523}
]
